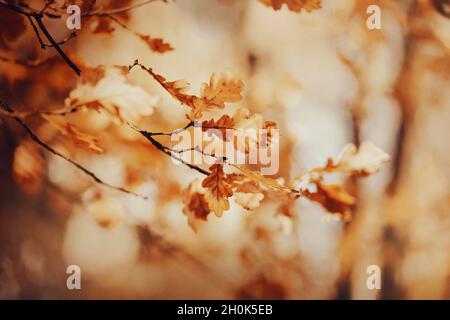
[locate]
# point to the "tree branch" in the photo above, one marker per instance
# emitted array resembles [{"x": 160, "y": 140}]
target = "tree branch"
[{"x": 44, "y": 145}]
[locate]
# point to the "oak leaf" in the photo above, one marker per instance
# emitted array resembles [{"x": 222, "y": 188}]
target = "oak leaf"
[
  {"x": 332, "y": 197},
  {"x": 219, "y": 127},
  {"x": 218, "y": 189},
  {"x": 257, "y": 176},
  {"x": 156, "y": 44},
  {"x": 80, "y": 139},
  {"x": 114, "y": 94},
  {"x": 362, "y": 161}
]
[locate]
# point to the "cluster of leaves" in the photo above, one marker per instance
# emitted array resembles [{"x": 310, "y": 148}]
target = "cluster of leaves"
[
  {"x": 14, "y": 16},
  {"x": 250, "y": 186},
  {"x": 99, "y": 88}
]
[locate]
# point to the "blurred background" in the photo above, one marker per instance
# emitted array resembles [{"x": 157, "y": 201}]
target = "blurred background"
[{"x": 323, "y": 76}]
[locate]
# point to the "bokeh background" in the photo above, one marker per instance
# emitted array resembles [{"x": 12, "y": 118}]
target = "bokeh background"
[{"x": 322, "y": 76}]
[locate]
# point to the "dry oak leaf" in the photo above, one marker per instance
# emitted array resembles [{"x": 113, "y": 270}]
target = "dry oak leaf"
[
  {"x": 219, "y": 127},
  {"x": 156, "y": 44},
  {"x": 259, "y": 177},
  {"x": 362, "y": 161},
  {"x": 246, "y": 123},
  {"x": 177, "y": 89},
  {"x": 294, "y": 5},
  {"x": 221, "y": 89},
  {"x": 196, "y": 207},
  {"x": 80, "y": 139},
  {"x": 115, "y": 94},
  {"x": 218, "y": 189},
  {"x": 333, "y": 198}
]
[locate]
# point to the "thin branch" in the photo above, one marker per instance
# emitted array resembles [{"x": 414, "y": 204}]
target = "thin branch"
[
  {"x": 49, "y": 37},
  {"x": 44, "y": 145},
  {"x": 190, "y": 124},
  {"x": 36, "y": 32},
  {"x": 169, "y": 152},
  {"x": 158, "y": 145},
  {"x": 37, "y": 16}
]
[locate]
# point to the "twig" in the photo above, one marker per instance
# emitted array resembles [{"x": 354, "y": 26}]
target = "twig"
[
  {"x": 49, "y": 37},
  {"x": 190, "y": 124},
  {"x": 169, "y": 152},
  {"x": 44, "y": 145},
  {"x": 37, "y": 16}
]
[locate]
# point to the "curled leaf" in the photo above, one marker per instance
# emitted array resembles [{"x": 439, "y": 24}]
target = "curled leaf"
[
  {"x": 362, "y": 161},
  {"x": 333, "y": 198},
  {"x": 218, "y": 189},
  {"x": 196, "y": 207}
]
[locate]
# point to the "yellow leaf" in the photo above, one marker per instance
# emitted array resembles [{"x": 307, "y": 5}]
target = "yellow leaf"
[
  {"x": 80, "y": 139},
  {"x": 256, "y": 175},
  {"x": 218, "y": 189}
]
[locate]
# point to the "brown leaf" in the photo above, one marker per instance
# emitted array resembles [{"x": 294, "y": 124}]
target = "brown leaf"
[
  {"x": 218, "y": 189},
  {"x": 332, "y": 197},
  {"x": 219, "y": 127},
  {"x": 80, "y": 139},
  {"x": 195, "y": 205},
  {"x": 156, "y": 44},
  {"x": 222, "y": 89},
  {"x": 257, "y": 176},
  {"x": 215, "y": 94}
]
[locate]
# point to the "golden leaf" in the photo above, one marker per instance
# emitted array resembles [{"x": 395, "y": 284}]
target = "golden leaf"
[
  {"x": 218, "y": 189},
  {"x": 332, "y": 197},
  {"x": 257, "y": 176},
  {"x": 80, "y": 139},
  {"x": 219, "y": 127},
  {"x": 196, "y": 207},
  {"x": 220, "y": 90},
  {"x": 365, "y": 160}
]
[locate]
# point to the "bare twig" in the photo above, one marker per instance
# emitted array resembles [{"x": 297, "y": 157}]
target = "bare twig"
[
  {"x": 44, "y": 145},
  {"x": 49, "y": 37},
  {"x": 37, "y": 17},
  {"x": 170, "y": 153}
]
